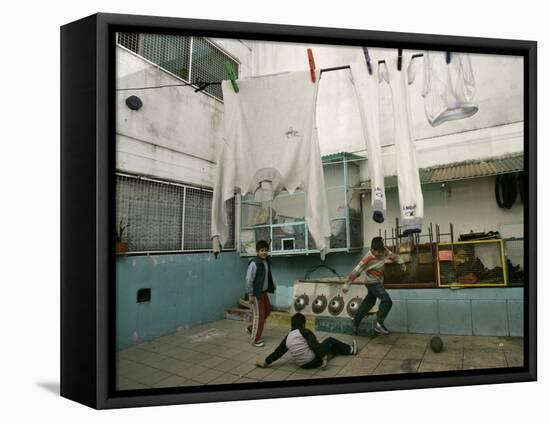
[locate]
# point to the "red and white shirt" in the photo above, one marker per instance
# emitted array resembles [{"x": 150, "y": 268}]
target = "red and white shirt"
[{"x": 373, "y": 267}]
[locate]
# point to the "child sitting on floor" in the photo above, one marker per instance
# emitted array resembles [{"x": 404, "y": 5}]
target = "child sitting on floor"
[{"x": 304, "y": 347}]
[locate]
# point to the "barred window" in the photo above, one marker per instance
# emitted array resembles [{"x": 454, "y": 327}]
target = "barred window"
[
  {"x": 193, "y": 59},
  {"x": 162, "y": 216}
]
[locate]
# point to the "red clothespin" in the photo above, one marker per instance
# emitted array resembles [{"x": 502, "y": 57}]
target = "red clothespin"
[{"x": 311, "y": 64}]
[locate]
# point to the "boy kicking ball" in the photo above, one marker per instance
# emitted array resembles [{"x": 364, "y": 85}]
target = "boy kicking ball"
[{"x": 373, "y": 266}]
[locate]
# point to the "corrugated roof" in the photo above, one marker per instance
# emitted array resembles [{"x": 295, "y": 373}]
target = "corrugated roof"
[
  {"x": 340, "y": 156},
  {"x": 461, "y": 170}
]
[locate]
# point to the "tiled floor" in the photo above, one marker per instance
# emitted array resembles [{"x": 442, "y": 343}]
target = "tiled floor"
[{"x": 219, "y": 352}]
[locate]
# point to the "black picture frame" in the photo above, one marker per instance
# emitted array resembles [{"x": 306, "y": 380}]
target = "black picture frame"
[{"x": 87, "y": 209}]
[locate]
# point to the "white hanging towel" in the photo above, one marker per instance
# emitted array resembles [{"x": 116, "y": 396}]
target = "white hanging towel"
[
  {"x": 366, "y": 88},
  {"x": 270, "y": 144},
  {"x": 411, "y": 201},
  {"x": 449, "y": 88}
]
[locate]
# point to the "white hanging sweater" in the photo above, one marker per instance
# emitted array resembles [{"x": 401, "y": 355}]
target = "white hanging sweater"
[
  {"x": 270, "y": 143},
  {"x": 449, "y": 88}
]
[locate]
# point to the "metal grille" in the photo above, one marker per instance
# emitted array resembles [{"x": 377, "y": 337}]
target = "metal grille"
[
  {"x": 170, "y": 52},
  {"x": 471, "y": 263},
  {"x": 154, "y": 211},
  {"x": 173, "y": 53},
  {"x": 129, "y": 40},
  {"x": 196, "y": 232},
  {"x": 197, "y": 220},
  {"x": 208, "y": 65}
]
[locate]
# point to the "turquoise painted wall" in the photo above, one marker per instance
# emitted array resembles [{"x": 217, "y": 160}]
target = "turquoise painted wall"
[
  {"x": 190, "y": 289},
  {"x": 467, "y": 311},
  {"x": 186, "y": 290}
]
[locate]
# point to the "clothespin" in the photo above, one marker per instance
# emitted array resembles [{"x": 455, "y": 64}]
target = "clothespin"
[
  {"x": 399, "y": 58},
  {"x": 367, "y": 58},
  {"x": 448, "y": 57},
  {"x": 231, "y": 74},
  {"x": 311, "y": 64}
]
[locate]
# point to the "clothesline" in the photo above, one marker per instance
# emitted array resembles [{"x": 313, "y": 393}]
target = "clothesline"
[{"x": 201, "y": 85}]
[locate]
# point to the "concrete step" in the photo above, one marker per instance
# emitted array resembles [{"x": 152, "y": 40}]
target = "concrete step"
[{"x": 242, "y": 314}]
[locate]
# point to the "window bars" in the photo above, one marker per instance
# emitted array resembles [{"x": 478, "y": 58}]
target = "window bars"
[
  {"x": 192, "y": 59},
  {"x": 163, "y": 216}
]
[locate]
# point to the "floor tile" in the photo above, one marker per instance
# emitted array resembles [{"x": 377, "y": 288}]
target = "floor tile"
[
  {"x": 242, "y": 369},
  {"x": 207, "y": 376},
  {"x": 483, "y": 359},
  {"x": 412, "y": 340},
  {"x": 426, "y": 366},
  {"x": 125, "y": 384},
  {"x": 402, "y": 352},
  {"x": 225, "y": 378},
  {"x": 191, "y": 372},
  {"x": 277, "y": 375},
  {"x": 374, "y": 350},
  {"x": 170, "y": 381},
  {"x": 227, "y": 365},
  {"x": 259, "y": 373},
  {"x": 514, "y": 359},
  {"x": 396, "y": 366},
  {"x": 298, "y": 376}
]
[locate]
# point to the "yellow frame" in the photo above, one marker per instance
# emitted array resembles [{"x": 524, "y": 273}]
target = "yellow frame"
[{"x": 481, "y": 241}]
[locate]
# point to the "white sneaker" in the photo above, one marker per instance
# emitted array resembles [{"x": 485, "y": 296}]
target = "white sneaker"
[
  {"x": 258, "y": 344},
  {"x": 381, "y": 329}
]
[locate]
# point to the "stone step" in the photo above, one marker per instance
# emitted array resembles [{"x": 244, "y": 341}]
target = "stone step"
[{"x": 242, "y": 314}]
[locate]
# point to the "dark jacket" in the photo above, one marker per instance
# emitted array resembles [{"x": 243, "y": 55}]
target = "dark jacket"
[
  {"x": 258, "y": 282},
  {"x": 312, "y": 343}
]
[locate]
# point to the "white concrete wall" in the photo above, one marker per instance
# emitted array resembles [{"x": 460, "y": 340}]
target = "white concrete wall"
[{"x": 468, "y": 205}]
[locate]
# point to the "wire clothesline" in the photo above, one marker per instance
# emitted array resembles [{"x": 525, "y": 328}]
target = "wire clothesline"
[{"x": 201, "y": 85}]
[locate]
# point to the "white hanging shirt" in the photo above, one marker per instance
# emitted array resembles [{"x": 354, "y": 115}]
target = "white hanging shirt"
[
  {"x": 449, "y": 88},
  {"x": 270, "y": 143}
]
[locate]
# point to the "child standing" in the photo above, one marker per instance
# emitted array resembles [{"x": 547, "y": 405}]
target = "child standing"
[
  {"x": 373, "y": 266},
  {"x": 259, "y": 283},
  {"x": 304, "y": 347}
]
